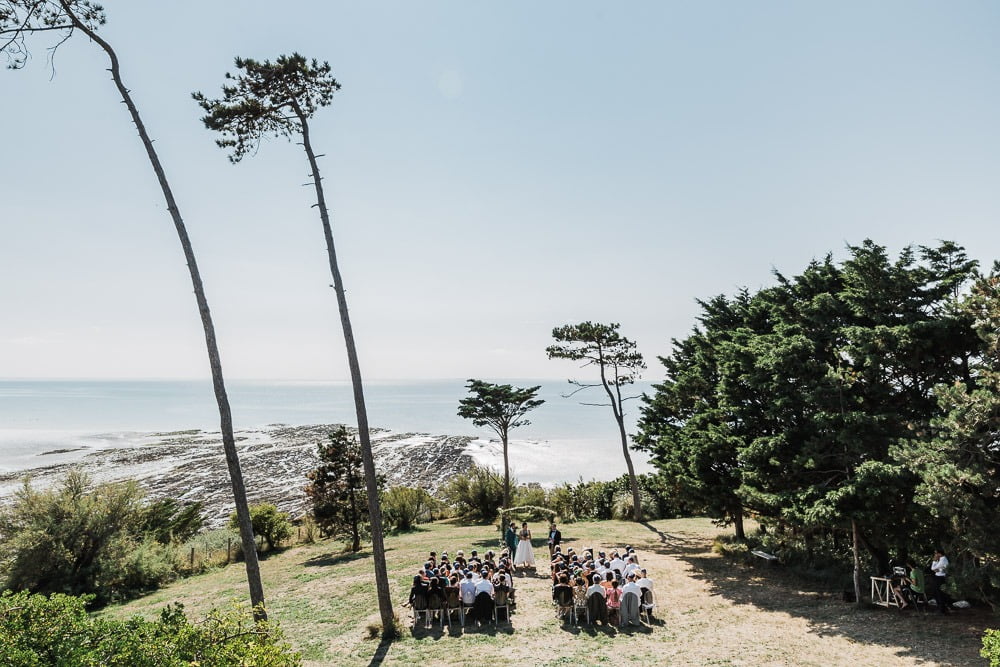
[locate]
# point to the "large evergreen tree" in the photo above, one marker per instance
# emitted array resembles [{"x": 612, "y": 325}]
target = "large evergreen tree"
[
  {"x": 801, "y": 393},
  {"x": 337, "y": 489}
]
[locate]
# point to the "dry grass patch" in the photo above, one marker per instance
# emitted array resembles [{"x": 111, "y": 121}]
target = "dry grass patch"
[{"x": 712, "y": 611}]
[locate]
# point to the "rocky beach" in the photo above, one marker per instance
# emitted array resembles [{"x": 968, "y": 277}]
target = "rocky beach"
[{"x": 190, "y": 465}]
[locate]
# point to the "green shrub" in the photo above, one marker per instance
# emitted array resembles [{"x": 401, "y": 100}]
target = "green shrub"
[
  {"x": 77, "y": 538},
  {"x": 36, "y": 630},
  {"x": 623, "y": 504},
  {"x": 403, "y": 507},
  {"x": 310, "y": 530},
  {"x": 269, "y": 523},
  {"x": 532, "y": 496},
  {"x": 475, "y": 495},
  {"x": 169, "y": 521},
  {"x": 991, "y": 647}
]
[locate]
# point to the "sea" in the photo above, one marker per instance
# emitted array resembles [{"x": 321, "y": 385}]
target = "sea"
[{"x": 53, "y": 421}]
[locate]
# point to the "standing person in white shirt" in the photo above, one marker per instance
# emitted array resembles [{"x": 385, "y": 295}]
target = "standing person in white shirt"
[{"x": 940, "y": 568}]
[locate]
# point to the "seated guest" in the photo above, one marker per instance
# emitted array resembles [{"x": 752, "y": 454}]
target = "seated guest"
[
  {"x": 460, "y": 559},
  {"x": 579, "y": 592},
  {"x": 482, "y": 608},
  {"x": 435, "y": 597},
  {"x": 915, "y": 584},
  {"x": 597, "y": 607},
  {"x": 562, "y": 595},
  {"x": 418, "y": 589},
  {"x": 644, "y": 581},
  {"x": 596, "y": 588},
  {"x": 630, "y": 566},
  {"x": 631, "y": 597},
  {"x": 609, "y": 580},
  {"x": 614, "y": 600},
  {"x": 468, "y": 590},
  {"x": 474, "y": 557},
  {"x": 504, "y": 577},
  {"x": 617, "y": 563}
]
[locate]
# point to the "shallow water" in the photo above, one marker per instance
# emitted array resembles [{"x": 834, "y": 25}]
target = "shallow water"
[{"x": 49, "y": 421}]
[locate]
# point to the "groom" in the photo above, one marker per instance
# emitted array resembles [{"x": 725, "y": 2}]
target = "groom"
[{"x": 555, "y": 537}]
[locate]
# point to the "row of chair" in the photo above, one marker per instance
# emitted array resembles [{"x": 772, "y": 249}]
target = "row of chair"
[
  {"x": 424, "y": 606},
  {"x": 568, "y": 609}
]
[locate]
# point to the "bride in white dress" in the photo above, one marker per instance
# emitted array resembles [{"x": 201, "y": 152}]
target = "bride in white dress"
[{"x": 524, "y": 555}]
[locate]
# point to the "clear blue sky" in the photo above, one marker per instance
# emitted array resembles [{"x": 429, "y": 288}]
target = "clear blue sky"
[{"x": 495, "y": 169}]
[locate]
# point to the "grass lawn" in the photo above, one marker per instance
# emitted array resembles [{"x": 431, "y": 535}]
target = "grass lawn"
[{"x": 712, "y": 612}]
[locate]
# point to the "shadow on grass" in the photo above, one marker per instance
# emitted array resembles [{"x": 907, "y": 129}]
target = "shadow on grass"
[
  {"x": 380, "y": 652},
  {"x": 332, "y": 558},
  {"x": 944, "y": 640},
  {"x": 435, "y": 632}
]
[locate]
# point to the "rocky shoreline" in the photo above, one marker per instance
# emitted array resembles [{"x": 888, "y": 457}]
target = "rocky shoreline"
[{"x": 190, "y": 465}]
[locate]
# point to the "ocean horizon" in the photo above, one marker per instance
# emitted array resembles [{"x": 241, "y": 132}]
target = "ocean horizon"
[{"x": 49, "y": 421}]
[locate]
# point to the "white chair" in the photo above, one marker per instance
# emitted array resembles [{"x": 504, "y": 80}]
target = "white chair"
[
  {"x": 648, "y": 605},
  {"x": 577, "y": 608},
  {"x": 501, "y": 600},
  {"x": 564, "y": 606},
  {"x": 420, "y": 607}
]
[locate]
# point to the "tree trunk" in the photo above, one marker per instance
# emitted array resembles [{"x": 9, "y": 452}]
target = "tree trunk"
[
  {"x": 225, "y": 414},
  {"x": 857, "y": 562},
  {"x": 632, "y": 480},
  {"x": 374, "y": 511},
  {"x": 506, "y": 475},
  {"x": 738, "y": 524},
  {"x": 619, "y": 412}
]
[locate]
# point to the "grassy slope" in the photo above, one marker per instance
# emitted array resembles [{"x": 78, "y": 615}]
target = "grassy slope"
[{"x": 712, "y": 612}]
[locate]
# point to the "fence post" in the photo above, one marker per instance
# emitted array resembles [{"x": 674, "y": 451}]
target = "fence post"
[
  {"x": 192, "y": 558},
  {"x": 229, "y": 548}
]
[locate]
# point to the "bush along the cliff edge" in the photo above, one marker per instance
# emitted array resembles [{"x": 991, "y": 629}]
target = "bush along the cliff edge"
[{"x": 104, "y": 539}]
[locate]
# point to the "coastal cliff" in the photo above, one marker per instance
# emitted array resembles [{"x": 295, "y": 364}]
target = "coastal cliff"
[{"x": 190, "y": 465}]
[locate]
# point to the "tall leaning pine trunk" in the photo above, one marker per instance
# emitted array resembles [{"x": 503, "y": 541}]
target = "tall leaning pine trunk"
[
  {"x": 374, "y": 511},
  {"x": 225, "y": 414},
  {"x": 618, "y": 409}
]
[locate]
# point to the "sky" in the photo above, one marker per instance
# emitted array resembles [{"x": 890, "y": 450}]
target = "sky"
[{"x": 494, "y": 170}]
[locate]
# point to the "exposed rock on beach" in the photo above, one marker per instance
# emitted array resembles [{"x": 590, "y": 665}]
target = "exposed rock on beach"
[{"x": 190, "y": 465}]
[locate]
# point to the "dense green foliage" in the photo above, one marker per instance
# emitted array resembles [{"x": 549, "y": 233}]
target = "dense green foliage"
[
  {"x": 991, "y": 647},
  {"x": 855, "y": 394},
  {"x": 36, "y": 630},
  {"x": 501, "y": 407},
  {"x": 337, "y": 490},
  {"x": 268, "y": 522},
  {"x": 403, "y": 507},
  {"x": 79, "y": 538},
  {"x": 475, "y": 495}
]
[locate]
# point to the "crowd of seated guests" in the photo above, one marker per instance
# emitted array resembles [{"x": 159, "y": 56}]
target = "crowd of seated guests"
[
  {"x": 475, "y": 584},
  {"x": 610, "y": 586}
]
